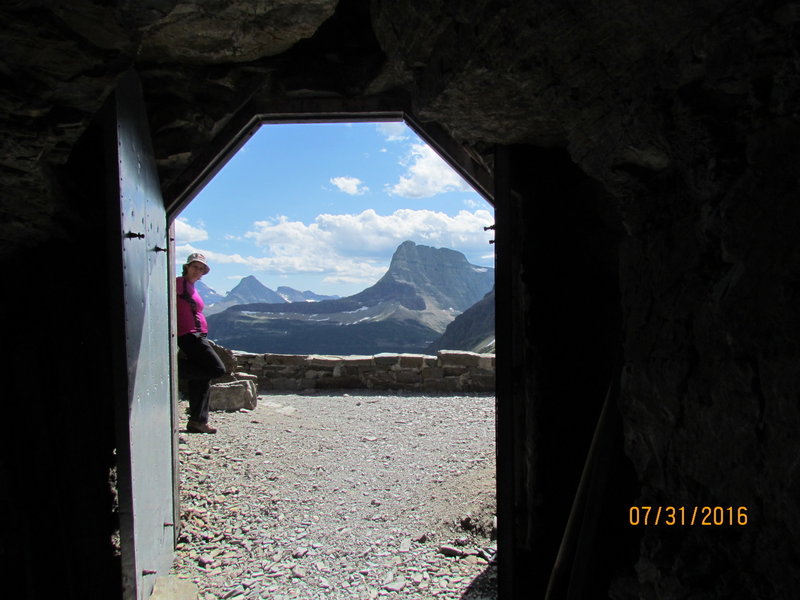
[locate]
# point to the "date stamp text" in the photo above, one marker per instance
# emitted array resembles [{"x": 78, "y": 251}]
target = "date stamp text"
[{"x": 713, "y": 516}]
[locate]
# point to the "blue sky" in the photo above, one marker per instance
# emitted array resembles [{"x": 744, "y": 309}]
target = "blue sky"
[{"x": 322, "y": 207}]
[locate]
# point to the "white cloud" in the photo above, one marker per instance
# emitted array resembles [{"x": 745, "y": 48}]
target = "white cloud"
[
  {"x": 213, "y": 257},
  {"x": 426, "y": 175},
  {"x": 393, "y": 132},
  {"x": 293, "y": 259},
  {"x": 353, "y": 248},
  {"x": 371, "y": 236},
  {"x": 473, "y": 204},
  {"x": 369, "y": 231},
  {"x": 348, "y": 280},
  {"x": 186, "y": 234},
  {"x": 350, "y": 185}
]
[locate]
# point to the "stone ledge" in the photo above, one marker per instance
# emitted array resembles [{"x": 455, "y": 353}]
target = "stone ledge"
[
  {"x": 453, "y": 358},
  {"x": 449, "y": 371},
  {"x": 174, "y": 588}
]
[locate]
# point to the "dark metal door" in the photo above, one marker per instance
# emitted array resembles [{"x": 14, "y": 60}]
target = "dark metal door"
[{"x": 144, "y": 415}]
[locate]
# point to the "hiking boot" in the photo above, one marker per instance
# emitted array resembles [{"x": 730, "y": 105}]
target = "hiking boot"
[{"x": 197, "y": 427}]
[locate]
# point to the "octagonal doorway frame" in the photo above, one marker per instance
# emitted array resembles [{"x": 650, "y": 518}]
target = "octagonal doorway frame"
[{"x": 493, "y": 188}]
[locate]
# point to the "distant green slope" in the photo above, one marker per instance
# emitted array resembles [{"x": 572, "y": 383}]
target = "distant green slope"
[
  {"x": 472, "y": 330},
  {"x": 289, "y": 336}
]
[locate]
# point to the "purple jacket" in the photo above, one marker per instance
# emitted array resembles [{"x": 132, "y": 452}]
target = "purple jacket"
[{"x": 186, "y": 320}]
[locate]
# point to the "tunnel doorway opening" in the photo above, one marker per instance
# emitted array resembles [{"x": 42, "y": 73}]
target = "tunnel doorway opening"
[{"x": 280, "y": 406}]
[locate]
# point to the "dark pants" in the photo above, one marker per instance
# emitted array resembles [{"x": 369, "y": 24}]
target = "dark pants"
[{"x": 198, "y": 365}]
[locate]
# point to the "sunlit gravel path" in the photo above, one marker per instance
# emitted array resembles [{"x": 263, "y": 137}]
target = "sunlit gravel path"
[{"x": 342, "y": 496}]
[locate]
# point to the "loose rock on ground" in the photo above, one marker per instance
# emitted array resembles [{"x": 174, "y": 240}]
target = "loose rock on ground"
[{"x": 342, "y": 496}]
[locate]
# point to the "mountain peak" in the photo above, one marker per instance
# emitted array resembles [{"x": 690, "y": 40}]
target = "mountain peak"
[
  {"x": 407, "y": 245},
  {"x": 418, "y": 252},
  {"x": 422, "y": 275},
  {"x": 250, "y": 289}
]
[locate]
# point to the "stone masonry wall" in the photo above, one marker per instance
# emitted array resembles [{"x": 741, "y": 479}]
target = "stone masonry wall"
[{"x": 448, "y": 371}]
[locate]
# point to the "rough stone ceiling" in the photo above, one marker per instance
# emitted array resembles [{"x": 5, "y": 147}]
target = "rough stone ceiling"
[{"x": 624, "y": 85}]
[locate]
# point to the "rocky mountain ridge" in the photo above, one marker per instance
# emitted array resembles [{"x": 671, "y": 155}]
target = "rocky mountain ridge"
[
  {"x": 292, "y": 295},
  {"x": 250, "y": 290},
  {"x": 423, "y": 290},
  {"x": 208, "y": 294}
]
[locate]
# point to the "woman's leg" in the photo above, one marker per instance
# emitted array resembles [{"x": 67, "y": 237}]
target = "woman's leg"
[
  {"x": 199, "y": 394},
  {"x": 199, "y": 366}
]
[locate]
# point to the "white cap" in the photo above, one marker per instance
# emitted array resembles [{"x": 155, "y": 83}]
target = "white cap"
[{"x": 197, "y": 257}]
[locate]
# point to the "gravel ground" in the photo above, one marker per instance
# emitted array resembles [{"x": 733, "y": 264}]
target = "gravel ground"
[{"x": 342, "y": 496}]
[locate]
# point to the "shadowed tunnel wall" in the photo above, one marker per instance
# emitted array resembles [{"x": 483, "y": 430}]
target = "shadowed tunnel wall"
[{"x": 557, "y": 271}]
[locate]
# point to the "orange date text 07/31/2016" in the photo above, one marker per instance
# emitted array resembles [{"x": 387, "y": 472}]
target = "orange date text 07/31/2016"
[{"x": 677, "y": 516}]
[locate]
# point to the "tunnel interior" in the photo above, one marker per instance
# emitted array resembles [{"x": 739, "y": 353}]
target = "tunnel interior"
[{"x": 642, "y": 165}]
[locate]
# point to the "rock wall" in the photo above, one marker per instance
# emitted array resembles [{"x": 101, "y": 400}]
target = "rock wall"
[
  {"x": 448, "y": 371},
  {"x": 248, "y": 374}
]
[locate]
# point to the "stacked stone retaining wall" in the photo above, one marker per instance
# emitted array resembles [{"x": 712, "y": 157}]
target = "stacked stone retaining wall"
[{"x": 448, "y": 371}]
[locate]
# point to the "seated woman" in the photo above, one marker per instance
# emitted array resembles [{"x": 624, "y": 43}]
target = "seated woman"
[{"x": 199, "y": 363}]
